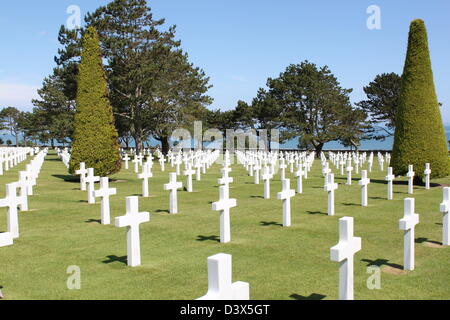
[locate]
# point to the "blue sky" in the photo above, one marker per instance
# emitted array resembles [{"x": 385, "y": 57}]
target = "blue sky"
[{"x": 240, "y": 43}]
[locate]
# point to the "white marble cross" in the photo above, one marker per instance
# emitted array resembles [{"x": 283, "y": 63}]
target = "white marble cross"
[
  {"x": 364, "y": 182},
  {"x": 105, "y": 192},
  {"x": 299, "y": 174},
  {"x": 30, "y": 178},
  {"x": 407, "y": 224},
  {"x": 286, "y": 194},
  {"x": 136, "y": 162},
  {"x": 349, "y": 170},
  {"x": 132, "y": 219},
  {"x": 145, "y": 175},
  {"x": 189, "y": 172},
  {"x": 12, "y": 201},
  {"x": 390, "y": 179},
  {"x": 82, "y": 173},
  {"x": 161, "y": 163},
  {"x": 381, "y": 162},
  {"x": 341, "y": 166},
  {"x": 330, "y": 186},
  {"x": 445, "y": 209},
  {"x": 224, "y": 205},
  {"x": 126, "y": 159},
  {"x": 266, "y": 178},
  {"x": 220, "y": 284},
  {"x": 173, "y": 186},
  {"x": 283, "y": 170},
  {"x": 343, "y": 253},
  {"x": 257, "y": 169},
  {"x": 410, "y": 176},
  {"x": 225, "y": 180},
  {"x": 427, "y": 173},
  {"x": 23, "y": 185},
  {"x": 91, "y": 180},
  {"x": 198, "y": 167}
]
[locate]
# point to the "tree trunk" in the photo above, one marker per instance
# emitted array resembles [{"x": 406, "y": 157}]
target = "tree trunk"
[
  {"x": 139, "y": 144},
  {"x": 165, "y": 144},
  {"x": 318, "y": 149}
]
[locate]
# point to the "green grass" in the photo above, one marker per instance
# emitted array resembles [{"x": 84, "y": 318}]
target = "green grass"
[{"x": 279, "y": 263}]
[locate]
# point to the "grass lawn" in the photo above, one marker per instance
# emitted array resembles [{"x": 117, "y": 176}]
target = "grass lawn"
[{"x": 61, "y": 230}]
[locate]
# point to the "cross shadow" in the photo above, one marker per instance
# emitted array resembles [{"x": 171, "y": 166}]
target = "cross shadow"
[
  {"x": 114, "y": 258},
  {"x": 208, "y": 238},
  {"x": 382, "y": 262},
  {"x": 162, "y": 211},
  {"x": 422, "y": 240},
  {"x": 67, "y": 178},
  {"x": 316, "y": 212},
  {"x": 377, "y": 198},
  {"x": 258, "y": 197},
  {"x": 395, "y": 182},
  {"x": 93, "y": 220},
  {"x": 350, "y": 204},
  {"x": 313, "y": 296},
  {"x": 272, "y": 223}
]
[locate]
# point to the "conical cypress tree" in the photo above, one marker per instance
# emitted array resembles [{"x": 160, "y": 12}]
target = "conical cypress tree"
[
  {"x": 419, "y": 133},
  {"x": 95, "y": 138}
]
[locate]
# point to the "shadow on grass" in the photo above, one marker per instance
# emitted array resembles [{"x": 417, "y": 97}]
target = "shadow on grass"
[
  {"x": 67, "y": 178},
  {"x": 94, "y": 221},
  {"x": 313, "y": 296},
  {"x": 404, "y": 183},
  {"x": 317, "y": 212},
  {"x": 208, "y": 238},
  {"x": 382, "y": 262},
  {"x": 422, "y": 240},
  {"x": 162, "y": 211},
  {"x": 377, "y": 198},
  {"x": 114, "y": 258},
  {"x": 351, "y": 204},
  {"x": 271, "y": 223},
  {"x": 257, "y": 197},
  {"x": 438, "y": 223}
]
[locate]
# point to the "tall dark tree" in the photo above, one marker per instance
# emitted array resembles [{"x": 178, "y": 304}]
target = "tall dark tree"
[
  {"x": 419, "y": 133},
  {"x": 95, "y": 139},
  {"x": 266, "y": 114},
  {"x": 55, "y": 111},
  {"x": 381, "y": 104},
  {"x": 313, "y": 106},
  {"x": 153, "y": 85},
  {"x": 10, "y": 118}
]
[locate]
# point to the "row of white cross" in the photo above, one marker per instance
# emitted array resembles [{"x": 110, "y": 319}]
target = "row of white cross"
[
  {"x": 219, "y": 266},
  {"x": 133, "y": 218},
  {"x": 10, "y": 157},
  {"x": 12, "y": 201},
  {"x": 349, "y": 245}
]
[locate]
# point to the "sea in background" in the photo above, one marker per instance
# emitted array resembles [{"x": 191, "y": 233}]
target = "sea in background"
[{"x": 293, "y": 143}]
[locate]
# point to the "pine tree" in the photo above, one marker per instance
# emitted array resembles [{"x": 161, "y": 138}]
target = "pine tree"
[
  {"x": 95, "y": 138},
  {"x": 419, "y": 134}
]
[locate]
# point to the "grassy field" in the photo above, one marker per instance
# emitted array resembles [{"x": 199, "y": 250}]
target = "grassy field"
[{"x": 61, "y": 230}]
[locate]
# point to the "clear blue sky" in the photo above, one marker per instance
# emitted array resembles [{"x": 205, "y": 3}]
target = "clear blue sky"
[{"x": 240, "y": 43}]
